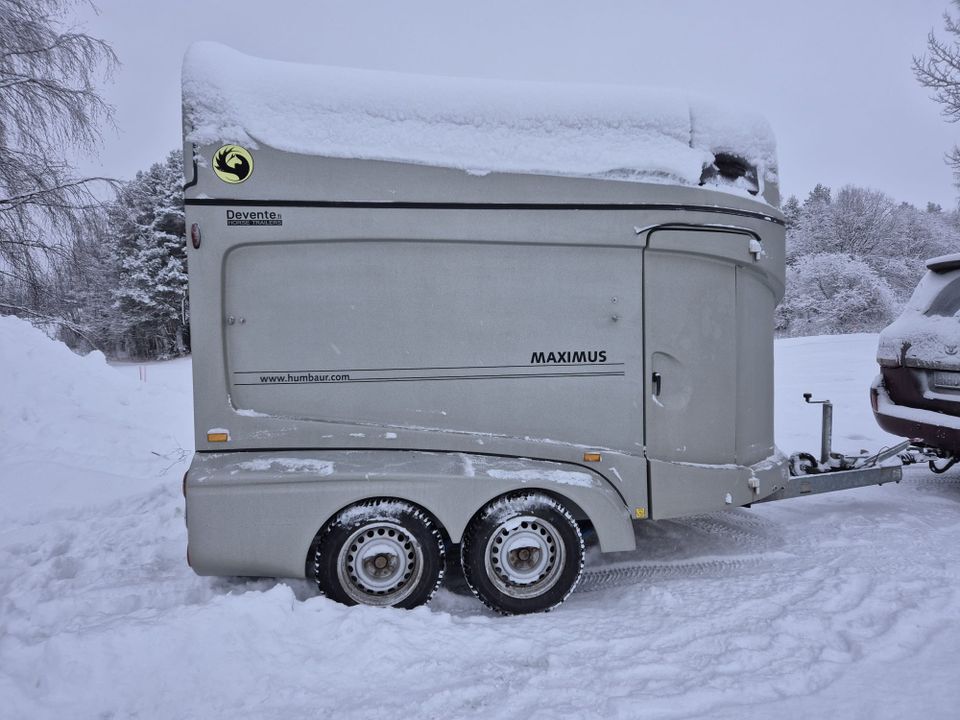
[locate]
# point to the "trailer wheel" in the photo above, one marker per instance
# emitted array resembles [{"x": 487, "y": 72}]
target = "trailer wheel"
[
  {"x": 382, "y": 553},
  {"x": 523, "y": 554}
]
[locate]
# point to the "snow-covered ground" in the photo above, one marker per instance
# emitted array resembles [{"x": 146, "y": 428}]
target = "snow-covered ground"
[{"x": 837, "y": 606}]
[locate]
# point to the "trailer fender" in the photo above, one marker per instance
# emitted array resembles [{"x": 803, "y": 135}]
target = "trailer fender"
[{"x": 261, "y": 511}]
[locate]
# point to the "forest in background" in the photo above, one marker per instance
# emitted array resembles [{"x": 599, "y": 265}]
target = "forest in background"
[
  {"x": 854, "y": 256},
  {"x": 101, "y": 263}
]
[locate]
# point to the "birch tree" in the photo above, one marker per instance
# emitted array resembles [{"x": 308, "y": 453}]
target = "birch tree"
[
  {"x": 939, "y": 70},
  {"x": 49, "y": 109}
]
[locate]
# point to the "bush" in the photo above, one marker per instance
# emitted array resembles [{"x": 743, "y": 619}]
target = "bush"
[{"x": 832, "y": 293}]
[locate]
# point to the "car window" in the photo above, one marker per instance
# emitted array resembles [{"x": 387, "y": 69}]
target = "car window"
[{"x": 947, "y": 301}]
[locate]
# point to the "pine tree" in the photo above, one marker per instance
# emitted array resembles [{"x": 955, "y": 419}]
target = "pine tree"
[
  {"x": 811, "y": 228},
  {"x": 151, "y": 263},
  {"x": 820, "y": 194},
  {"x": 791, "y": 210}
]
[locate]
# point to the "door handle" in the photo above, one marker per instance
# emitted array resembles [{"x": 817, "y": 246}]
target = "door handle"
[{"x": 656, "y": 384}]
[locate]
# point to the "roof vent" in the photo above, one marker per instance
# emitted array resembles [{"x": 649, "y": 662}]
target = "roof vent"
[
  {"x": 944, "y": 263},
  {"x": 730, "y": 169}
]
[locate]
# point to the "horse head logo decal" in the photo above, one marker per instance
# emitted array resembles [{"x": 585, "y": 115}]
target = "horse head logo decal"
[{"x": 232, "y": 164}]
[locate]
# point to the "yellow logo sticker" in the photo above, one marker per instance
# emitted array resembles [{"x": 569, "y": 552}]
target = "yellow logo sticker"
[
  {"x": 233, "y": 164},
  {"x": 640, "y": 513}
]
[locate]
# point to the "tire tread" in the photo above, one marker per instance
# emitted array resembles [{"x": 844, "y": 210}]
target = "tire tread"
[
  {"x": 328, "y": 585},
  {"x": 476, "y": 527}
]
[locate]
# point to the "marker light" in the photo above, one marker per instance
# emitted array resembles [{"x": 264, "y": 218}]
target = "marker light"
[
  {"x": 218, "y": 437},
  {"x": 195, "y": 236},
  {"x": 591, "y": 457},
  {"x": 889, "y": 350}
]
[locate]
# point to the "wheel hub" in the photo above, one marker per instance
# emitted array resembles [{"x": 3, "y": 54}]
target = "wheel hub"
[
  {"x": 380, "y": 564},
  {"x": 524, "y": 556}
]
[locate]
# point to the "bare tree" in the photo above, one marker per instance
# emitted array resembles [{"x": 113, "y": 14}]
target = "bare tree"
[
  {"x": 939, "y": 70},
  {"x": 49, "y": 107},
  {"x": 854, "y": 220},
  {"x": 865, "y": 222}
]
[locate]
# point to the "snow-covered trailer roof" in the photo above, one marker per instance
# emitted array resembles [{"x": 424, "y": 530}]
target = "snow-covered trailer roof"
[{"x": 479, "y": 126}]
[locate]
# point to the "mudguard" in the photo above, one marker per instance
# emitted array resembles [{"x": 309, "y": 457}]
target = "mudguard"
[{"x": 257, "y": 513}]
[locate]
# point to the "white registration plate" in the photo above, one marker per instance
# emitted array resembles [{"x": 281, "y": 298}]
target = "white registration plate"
[{"x": 946, "y": 379}]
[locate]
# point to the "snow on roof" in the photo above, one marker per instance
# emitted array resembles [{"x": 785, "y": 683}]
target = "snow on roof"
[{"x": 479, "y": 126}]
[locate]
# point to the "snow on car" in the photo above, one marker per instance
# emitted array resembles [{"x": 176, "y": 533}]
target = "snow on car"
[{"x": 917, "y": 394}]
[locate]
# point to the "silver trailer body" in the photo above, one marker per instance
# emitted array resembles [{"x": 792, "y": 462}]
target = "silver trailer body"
[{"x": 365, "y": 329}]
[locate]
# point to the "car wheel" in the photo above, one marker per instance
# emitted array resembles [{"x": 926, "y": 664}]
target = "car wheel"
[
  {"x": 381, "y": 553},
  {"x": 523, "y": 554}
]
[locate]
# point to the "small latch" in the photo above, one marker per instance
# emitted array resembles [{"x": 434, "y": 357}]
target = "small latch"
[{"x": 756, "y": 248}]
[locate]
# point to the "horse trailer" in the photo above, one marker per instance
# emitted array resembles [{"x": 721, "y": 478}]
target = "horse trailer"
[{"x": 442, "y": 321}]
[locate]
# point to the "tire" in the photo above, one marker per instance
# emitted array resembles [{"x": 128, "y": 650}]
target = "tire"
[
  {"x": 523, "y": 554},
  {"x": 453, "y": 579},
  {"x": 385, "y": 553}
]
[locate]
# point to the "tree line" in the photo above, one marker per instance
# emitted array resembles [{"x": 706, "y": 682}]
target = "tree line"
[
  {"x": 854, "y": 257},
  {"x": 101, "y": 263},
  {"x": 98, "y": 262},
  {"x": 119, "y": 283}
]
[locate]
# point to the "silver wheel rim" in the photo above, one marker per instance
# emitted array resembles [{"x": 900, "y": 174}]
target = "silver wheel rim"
[
  {"x": 524, "y": 556},
  {"x": 381, "y": 563}
]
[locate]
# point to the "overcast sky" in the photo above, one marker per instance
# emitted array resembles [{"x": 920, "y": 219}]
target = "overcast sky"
[{"x": 832, "y": 76}]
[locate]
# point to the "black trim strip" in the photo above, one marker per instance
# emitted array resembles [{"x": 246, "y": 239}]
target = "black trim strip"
[
  {"x": 196, "y": 177},
  {"x": 415, "y": 369},
  {"x": 370, "y": 205},
  {"x": 504, "y": 376}
]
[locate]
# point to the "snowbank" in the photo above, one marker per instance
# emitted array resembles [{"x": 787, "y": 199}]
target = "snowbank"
[
  {"x": 839, "y": 606},
  {"x": 479, "y": 126},
  {"x": 75, "y": 430}
]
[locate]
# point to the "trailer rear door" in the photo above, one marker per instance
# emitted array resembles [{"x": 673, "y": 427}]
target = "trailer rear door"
[
  {"x": 708, "y": 351},
  {"x": 690, "y": 327}
]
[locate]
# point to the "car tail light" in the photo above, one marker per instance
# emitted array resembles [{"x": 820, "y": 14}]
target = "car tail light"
[{"x": 889, "y": 352}]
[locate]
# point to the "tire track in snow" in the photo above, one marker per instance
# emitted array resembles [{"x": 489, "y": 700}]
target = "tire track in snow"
[
  {"x": 601, "y": 579},
  {"x": 697, "y": 546}
]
